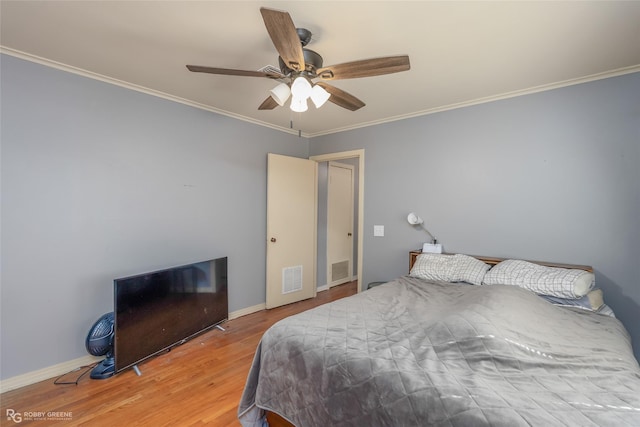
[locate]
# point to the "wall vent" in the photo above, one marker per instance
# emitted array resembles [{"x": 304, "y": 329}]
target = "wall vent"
[
  {"x": 339, "y": 271},
  {"x": 291, "y": 279}
]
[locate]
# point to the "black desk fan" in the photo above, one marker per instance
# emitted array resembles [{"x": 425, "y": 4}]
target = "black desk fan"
[{"x": 99, "y": 342}]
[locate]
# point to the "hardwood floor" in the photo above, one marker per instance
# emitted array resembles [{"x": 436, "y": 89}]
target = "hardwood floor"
[{"x": 197, "y": 383}]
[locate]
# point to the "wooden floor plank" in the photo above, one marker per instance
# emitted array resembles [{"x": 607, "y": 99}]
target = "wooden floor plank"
[{"x": 198, "y": 383}]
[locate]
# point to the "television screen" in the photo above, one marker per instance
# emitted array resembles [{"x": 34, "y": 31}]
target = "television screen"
[{"x": 157, "y": 310}]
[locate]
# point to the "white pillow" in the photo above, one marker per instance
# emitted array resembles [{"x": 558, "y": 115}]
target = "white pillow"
[
  {"x": 449, "y": 268},
  {"x": 554, "y": 281},
  {"x": 432, "y": 267},
  {"x": 594, "y": 300}
]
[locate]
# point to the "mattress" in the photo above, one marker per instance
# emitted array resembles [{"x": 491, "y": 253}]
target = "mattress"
[{"x": 414, "y": 352}]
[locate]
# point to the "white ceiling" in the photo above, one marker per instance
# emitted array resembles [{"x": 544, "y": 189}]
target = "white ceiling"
[{"x": 461, "y": 53}]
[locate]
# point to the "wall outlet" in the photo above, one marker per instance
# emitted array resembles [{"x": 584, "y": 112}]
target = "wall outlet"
[{"x": 378, "y": 231}]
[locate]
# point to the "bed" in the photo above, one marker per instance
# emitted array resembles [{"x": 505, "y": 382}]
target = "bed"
[{"x": 422, "y": 351}]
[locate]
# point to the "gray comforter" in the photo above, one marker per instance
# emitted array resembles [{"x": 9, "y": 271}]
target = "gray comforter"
[{"x": 419, "y": 353}]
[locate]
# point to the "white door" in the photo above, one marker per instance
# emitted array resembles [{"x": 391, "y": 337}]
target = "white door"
[
  {"x": 340, "y": 203},
  {"x": 292, "y": 186}
]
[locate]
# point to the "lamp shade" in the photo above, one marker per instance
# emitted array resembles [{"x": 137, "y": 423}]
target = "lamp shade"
[
  {"x": 301, "y": 88},
  {"x": 319, "y": 96},
  {"x": 299, "y": 105},
  {"x": 281, "y": 93},
  {"x": 414, "y": 219}
]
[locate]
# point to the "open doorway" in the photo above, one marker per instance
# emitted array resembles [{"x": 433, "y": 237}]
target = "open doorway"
[
  {"x": 354, "y": 158},
  {"x": 340, "y": 207}
]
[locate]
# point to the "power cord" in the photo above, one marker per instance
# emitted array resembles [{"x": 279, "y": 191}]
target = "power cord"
[{"x": 86, "y": 368}]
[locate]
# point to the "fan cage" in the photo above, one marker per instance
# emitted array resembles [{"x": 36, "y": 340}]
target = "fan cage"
[{"x": 100, "y": 338}]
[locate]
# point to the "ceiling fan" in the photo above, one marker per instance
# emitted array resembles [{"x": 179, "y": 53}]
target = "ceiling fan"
[{"x": 299, "y": 66}]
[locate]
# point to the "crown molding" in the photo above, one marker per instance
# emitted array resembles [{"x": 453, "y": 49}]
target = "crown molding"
[
  {"x": 152, "y": 92},
  {"x": 95, "y": 76},
  {"x": 507, "y": 95}
]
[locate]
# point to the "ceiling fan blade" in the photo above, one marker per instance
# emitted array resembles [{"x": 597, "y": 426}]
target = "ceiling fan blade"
[
  {"x": 268, "y": 104},
  {"x": 342, "y": 98},
  {"x": 365, "y": 68},
  {"x": 284, "y": 37},
  {"x": 231, "y": 72}
]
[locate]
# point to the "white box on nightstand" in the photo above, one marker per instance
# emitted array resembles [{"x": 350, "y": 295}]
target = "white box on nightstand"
[{"x": 433, "y": 248}]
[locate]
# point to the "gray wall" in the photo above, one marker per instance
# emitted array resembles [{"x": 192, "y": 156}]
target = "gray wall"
[
  {"x": 100, "y": 182},
  {"x": 549, "y": 176}
]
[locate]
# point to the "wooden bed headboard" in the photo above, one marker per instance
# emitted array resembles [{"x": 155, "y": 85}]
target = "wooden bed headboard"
[{"x": 413, "y": 255}]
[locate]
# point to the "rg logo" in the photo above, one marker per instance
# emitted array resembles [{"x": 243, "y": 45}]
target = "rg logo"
[{"x": 16, "y": 417}]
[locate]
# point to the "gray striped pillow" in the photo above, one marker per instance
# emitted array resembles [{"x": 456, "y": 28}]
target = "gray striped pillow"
[
  {"x": 449, "y": 268},
  {"x": 554, "y": 281}
]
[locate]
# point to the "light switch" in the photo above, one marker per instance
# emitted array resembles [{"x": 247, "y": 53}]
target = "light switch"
[{"x": 378, "y": 231}]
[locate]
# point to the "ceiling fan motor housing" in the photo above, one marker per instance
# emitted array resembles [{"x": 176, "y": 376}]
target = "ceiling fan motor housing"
[
  {"x": 304, "y": 35},
  {"x": 312, "y": 62}
]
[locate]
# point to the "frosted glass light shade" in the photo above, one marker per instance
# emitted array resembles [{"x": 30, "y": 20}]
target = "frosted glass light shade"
[
  {"x": 281, "y": 93},
  {"x": 299, "y": 105},
  {"x": 319, "y": 96},
  {"x": 414, "y": 219},
  {"x": 301, "y": 88}
]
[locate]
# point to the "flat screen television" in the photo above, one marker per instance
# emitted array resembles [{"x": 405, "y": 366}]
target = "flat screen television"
[{"x": 158, "y": 310}]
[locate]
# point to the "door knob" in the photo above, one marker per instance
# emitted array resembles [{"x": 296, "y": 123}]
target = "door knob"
[
  {"x": 273, "y": 240},
  {"x": 349, "y": 234}
]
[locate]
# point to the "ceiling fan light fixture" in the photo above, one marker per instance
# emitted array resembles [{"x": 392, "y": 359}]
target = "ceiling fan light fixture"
[
  {"x": 319, "y": 96},
  {"x": 281, "y": 93},
  {"x": 298, "y": 105},
  {"x": 301, "y": 88}
]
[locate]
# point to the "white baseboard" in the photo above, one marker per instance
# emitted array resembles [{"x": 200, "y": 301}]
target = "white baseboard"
[
  {"x": 65, "y": 367},
  {"x": 327, "y": 287},
  {"x": 46, "y": 373},
  {"x": 248, "y": 310}
]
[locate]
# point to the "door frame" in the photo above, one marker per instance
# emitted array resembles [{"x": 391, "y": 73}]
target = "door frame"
[{"x": 359, "y": 154}]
